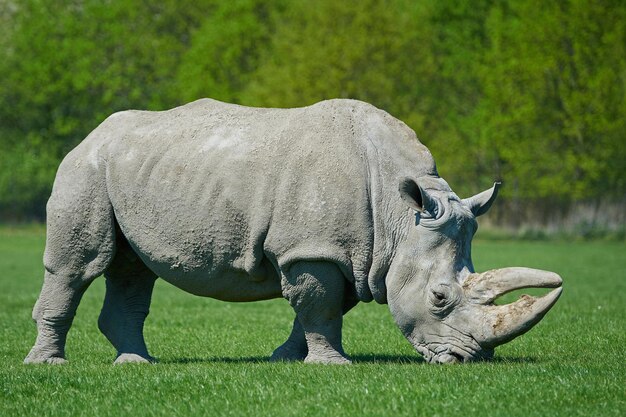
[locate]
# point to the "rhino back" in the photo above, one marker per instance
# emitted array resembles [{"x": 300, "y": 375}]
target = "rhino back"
[{"x": 213, "y": 195}]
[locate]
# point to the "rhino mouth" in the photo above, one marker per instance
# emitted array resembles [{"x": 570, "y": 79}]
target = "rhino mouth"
[
  {"x": 460, "y": 347},
  {"x": 451, "y": 354}
]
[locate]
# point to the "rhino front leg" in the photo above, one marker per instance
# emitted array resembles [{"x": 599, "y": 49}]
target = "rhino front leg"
[
  {"x": 295, "y": 347},
  {"x": 129, "y": 285},
  {"x": 315, "y": 290}
]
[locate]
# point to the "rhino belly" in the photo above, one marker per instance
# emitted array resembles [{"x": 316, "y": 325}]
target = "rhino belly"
[{"x": 195, "y": 263}]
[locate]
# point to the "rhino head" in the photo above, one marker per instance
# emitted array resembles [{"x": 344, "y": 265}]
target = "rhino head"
[{"x": 442, "y": 306}]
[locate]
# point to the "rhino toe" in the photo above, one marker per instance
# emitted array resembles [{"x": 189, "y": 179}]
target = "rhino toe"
[
  {"x": 52, "y": 360},
  {"x": 327, "y": 359}
]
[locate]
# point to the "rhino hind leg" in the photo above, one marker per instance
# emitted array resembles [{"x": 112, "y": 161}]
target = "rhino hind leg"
[
  {"x": 129, "y": 285},
  {"x": 54, "y": 313},
  {"x": 79, "y": 246},
  {"x": 315, "y": 290}
]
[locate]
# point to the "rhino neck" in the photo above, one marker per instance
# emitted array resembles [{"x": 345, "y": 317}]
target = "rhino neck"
[
  {"x": 391, "y": 151},
  {"x": 386, "y": 243},
  {"x": 392, "y": 220}
]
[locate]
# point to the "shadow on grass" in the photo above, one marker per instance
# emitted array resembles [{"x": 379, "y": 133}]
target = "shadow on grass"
[
  {"x": 382, "y": 358},
  {"x": 512, "y": 359},
  {"x": 361, "y": 358},
  {"x": 245, "y": 359}
]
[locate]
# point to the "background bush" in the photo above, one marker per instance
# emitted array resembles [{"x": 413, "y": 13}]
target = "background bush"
[{"x": 529, "y": 92}]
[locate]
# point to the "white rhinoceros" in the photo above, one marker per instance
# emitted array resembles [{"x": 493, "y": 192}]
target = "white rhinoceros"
[{"x": 325, "y": 205}]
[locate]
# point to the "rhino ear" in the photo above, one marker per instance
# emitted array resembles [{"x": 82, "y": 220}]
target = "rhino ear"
[
  {"x": 416, "y": 197},
  {"x": 480, "y": 203}
]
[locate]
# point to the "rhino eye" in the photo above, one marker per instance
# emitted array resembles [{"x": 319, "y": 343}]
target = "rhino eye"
[
  {"x": 443, "y": 298},
  {"x": 439, "y": 298}
]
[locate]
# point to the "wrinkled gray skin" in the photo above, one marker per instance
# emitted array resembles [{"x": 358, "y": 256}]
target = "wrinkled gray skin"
[{"x": 325, "y": 205}]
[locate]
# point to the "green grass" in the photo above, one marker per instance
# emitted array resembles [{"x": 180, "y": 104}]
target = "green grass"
[{"x": 213, "y": 355}]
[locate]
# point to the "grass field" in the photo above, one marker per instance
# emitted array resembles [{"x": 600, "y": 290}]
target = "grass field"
[{"x": 213, "y": 355}]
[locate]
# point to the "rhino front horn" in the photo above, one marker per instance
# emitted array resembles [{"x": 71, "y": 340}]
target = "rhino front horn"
[{"x": 499, "y": 324}]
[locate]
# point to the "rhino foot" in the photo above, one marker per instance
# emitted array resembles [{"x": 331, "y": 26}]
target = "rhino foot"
[
  {"x": 327, "y": 360},
  {"x": 133, "y": 358},
  {"x": 35, "y": 357}
]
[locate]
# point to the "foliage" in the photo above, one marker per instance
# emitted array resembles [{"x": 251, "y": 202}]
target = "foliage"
[
  {"x": 226, "y": 50},
  {"x": 65, "y": 68},
  {"x": 213, "y": 355},
  {"x": 555, "y": 89},
  {"x": 518, "y": 90}
]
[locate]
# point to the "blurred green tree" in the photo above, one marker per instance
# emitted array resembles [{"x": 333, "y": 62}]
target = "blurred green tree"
[
  {"x": 226, "y": 50},
  {"x": 530, "y": 92},
  {"x": 554, "y": 83},
  {"x": 66, "y": 66}
]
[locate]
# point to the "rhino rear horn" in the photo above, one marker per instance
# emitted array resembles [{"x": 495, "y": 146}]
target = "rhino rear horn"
[{"x": 480, "y": 203}]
